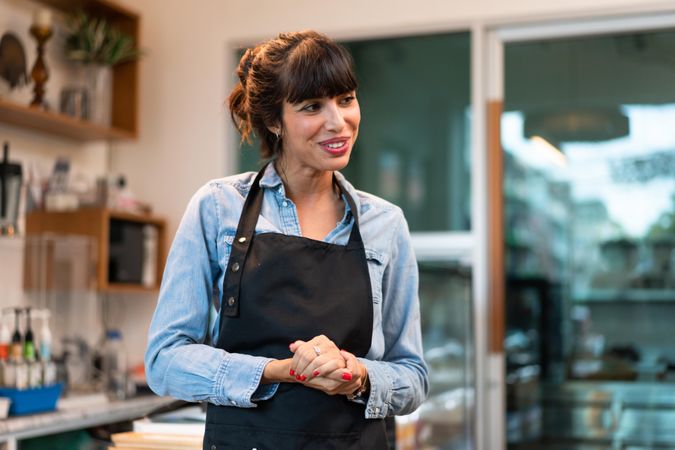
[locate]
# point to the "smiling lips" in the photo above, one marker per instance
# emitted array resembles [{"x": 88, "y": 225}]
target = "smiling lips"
[{"x": 336, "y": 146}]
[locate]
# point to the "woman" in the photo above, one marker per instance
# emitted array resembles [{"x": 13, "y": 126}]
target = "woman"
[{"x": 318, "y": 334}]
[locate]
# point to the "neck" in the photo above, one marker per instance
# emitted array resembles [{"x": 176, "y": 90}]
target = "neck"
[{"x": 304, "y": 183}]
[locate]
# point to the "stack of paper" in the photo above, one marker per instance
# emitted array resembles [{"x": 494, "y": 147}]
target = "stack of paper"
[
  {"x": 153, "y": 441},
  {"x": 182, "y": 429}
]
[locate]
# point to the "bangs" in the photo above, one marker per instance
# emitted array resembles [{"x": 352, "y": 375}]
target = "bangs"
[{"x": 318, "y": 69}]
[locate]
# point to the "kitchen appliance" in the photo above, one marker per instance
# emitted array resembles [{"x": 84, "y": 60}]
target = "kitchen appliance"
[{"x": 10, "y": 193}]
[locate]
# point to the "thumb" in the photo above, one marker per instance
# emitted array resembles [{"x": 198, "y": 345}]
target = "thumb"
[
  {"x": 294, "y": 345},
  {"x": 351, "y": 361}
]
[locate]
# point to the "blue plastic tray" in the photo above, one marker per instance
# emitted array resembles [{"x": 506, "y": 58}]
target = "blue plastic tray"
[{"x": 27, "y": 401}]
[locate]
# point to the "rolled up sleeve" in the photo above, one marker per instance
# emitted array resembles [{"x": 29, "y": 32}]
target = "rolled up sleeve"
[
  {"x": 399, "y": 381},
  {"x": 178, "y": 361}
]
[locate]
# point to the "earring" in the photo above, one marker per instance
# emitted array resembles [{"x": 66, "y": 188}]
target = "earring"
[{"x": 277, "y": 134}]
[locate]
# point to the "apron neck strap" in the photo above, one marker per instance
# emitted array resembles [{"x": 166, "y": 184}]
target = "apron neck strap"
[{"x": 253, "y": 206}]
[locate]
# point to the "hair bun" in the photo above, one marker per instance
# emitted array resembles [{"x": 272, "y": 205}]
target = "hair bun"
[{"x": 246, "y": 60}]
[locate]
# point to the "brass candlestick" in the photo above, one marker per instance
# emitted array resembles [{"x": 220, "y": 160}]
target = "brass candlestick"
[{"x": 39, "y": 74}]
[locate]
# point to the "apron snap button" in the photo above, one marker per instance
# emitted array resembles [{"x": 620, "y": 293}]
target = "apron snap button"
[
  {"x": 230, "y": 301},
  {"x": 213, "y": 447},
  {"x": 242, "y": 239},
  {"x": 235, "y": 267}
]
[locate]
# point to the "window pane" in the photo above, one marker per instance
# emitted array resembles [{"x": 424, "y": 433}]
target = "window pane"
[{"x": 414, "y": 146}]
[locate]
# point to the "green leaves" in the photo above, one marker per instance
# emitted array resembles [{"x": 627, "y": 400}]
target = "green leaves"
[{"x": 93, "y": 41}]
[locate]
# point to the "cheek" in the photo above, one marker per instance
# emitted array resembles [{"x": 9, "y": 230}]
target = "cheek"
[
  {"x": 308, "y": 128},
  {"x": 354, "y": 118}
]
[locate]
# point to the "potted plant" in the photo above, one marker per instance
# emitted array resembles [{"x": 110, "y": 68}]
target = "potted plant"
[{"x": 97, "y": 46}]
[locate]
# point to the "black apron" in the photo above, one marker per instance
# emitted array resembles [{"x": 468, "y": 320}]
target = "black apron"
[{"x": 277, "y": 289}]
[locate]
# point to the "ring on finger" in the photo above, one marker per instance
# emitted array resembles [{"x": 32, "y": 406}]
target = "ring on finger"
[{"x": 317, "y": 350}]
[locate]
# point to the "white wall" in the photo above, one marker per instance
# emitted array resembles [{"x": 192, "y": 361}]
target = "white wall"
[
  {"x": 32, "y": 148},
  {"x": 181, "y": 142}
]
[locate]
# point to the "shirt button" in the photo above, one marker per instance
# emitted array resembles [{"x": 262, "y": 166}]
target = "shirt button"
[
  {"x": 235, "y": 267},
  {"x": 230, "y": 301},
  {"x": 285, "y": 203}
]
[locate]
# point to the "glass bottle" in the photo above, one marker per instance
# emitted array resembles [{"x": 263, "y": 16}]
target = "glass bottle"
[{"x": 114, "y": 365}]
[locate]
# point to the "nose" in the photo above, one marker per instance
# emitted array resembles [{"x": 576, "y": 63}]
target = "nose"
[{"x": 335, "y": 120}]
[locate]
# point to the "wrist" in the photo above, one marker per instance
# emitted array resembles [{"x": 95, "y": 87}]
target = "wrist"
[
  {"x": 364, "y": 388},
  {"x": 276, "y": 371}
]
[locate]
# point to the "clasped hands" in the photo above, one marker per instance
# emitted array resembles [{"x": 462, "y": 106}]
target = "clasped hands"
[{"x": 319, "y": 364}]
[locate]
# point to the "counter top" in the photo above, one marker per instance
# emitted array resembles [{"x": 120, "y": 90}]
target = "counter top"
[{"x": 74, "y": 415}]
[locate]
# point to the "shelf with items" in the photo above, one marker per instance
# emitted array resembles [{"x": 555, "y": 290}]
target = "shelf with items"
[
  {"x": 58, "y": 124},
  {"x": 130, "y": 247},
  {"x": 124, "y": 114}
]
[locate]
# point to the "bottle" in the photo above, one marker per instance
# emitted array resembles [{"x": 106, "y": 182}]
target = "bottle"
[
  {"x": 18, "y": 369},
  {"x": 33, "y": 367},
  {"x": 48, "y": 368},
  {"x": 114, "y": 365},
  {"x": 5, "y": 340},
  {"x": 16, "y": 348},
  {"x": 28, "y": 340}
]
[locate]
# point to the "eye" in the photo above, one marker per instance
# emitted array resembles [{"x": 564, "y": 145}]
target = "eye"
[
  {"x": 347, "y": 99},
  {"x": 311, "y": 107}
]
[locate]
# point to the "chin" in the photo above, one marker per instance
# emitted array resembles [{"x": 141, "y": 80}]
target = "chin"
[{"x": 338, "y": 163}]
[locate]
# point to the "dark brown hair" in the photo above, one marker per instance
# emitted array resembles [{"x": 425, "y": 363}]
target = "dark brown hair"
[{"x": 291, "y": 67}]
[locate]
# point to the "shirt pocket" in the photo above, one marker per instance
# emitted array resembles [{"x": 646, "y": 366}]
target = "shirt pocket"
[{"x": 376, "y": 271}]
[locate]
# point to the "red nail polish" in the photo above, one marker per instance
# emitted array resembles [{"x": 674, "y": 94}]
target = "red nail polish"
[
  {"x": 292, "y": 372},
  {"x": 316, "y": 373},
  {"x": 297, "y": 377},
  {"x": 347, "y": 376},
  {"x": 303, "y": 378}
]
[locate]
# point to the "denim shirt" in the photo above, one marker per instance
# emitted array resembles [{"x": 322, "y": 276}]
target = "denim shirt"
[{"x": 181, "y": 359}]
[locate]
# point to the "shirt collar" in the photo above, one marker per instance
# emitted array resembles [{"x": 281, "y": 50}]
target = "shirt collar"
[{"x": 272, "y": 180}]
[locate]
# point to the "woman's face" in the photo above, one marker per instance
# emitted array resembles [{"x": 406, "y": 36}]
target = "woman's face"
[{"x": 319, "y": 134}]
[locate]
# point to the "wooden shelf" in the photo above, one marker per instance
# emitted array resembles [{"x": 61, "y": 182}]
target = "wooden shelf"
[
  {"x": 95, "y": 223},
  {"x": 124, "y": 114},
  {"x": 58, "y": 124}
]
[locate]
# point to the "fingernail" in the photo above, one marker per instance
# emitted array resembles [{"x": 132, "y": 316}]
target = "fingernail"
[
  {"x": 297, "y": 377},
  {"x": 316, "y": 373},
  {"x": 303, "y": 378},
  {"x": 292, "y": 372},
  {"x": 347, "y": 376},
  {"x": 290, "y": 347}
]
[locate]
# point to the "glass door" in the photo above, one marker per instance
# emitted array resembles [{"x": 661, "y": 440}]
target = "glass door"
[{"x": 588, "y": 160}]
